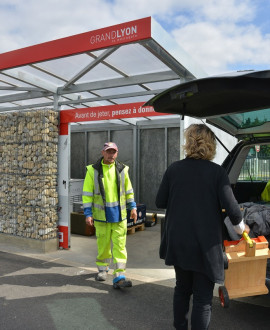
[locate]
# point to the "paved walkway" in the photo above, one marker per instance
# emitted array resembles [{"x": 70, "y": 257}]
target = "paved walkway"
[{"x": 58, "y": 291}]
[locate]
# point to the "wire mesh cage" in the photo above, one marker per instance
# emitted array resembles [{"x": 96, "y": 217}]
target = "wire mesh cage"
[{"x": 28, "y": 174}]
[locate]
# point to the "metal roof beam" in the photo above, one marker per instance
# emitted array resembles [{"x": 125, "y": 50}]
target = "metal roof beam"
[
  {"x": 28, "y": 78},
  {"x": 28, "y": 106},
  {"x": 167, "y": 59},
  {"x": 110, "y": 66},
  {"x": 89, "y": 67},
  {"x": 24, "y": 96},
  {"x": 56, "y": 96},
  {"x": 114, "y": 96},
  {"x": 44, "y": 89},
  {"x": 51, "y": 74},
  {"x": 22, "y": 107},
  {"x": 117, "y": 70},
  {"x": 36, "y": 94},
  {"x": 21, "y": 89},
  {"x": 88, "y": 100},
  {"x": 120, "y": 82}
]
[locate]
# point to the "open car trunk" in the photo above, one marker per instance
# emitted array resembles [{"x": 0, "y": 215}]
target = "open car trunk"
[{"x": 239, "y": 104}]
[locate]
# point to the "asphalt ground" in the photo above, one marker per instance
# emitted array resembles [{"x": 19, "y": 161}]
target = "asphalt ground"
[{"x": 58, "y": 291}]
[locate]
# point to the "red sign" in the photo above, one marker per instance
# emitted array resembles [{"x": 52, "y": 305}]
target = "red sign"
[
  {"x": 130, "y": 110},
  {"x": 97, "y": 39},
  {"x": 257, "y": 147}
]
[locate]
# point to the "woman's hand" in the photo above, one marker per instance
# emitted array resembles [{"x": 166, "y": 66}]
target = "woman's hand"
[{"x": 247, "y": 229}]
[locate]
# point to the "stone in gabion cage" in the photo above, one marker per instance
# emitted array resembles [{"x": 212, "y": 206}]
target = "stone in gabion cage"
[{"x": 28, "y": 174}]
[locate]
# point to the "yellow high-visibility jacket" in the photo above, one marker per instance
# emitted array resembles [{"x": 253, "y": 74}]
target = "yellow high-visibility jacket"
[
  {"x": 107, "y": 186},
  {"x": 265, "y": 195}
]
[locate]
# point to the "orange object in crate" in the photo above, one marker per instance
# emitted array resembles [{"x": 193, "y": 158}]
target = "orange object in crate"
[{"x": 246, "y": 271}]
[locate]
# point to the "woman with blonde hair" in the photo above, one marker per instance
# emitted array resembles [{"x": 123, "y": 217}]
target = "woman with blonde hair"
[{"x": 193, "y": 191}]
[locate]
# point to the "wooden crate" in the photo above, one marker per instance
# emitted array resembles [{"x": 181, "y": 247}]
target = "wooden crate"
[{"x": 246, "y": 271}]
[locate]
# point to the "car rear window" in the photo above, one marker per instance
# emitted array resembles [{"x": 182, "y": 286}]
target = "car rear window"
[
  {"x": 257, "y": 164},
  {"x": 249, "y": 119}
]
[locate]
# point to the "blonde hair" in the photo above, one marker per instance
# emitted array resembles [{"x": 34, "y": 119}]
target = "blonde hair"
[{"x": 200, "y": 142}]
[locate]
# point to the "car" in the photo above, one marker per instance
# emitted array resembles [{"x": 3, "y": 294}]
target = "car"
[{"x": 239, "y": 104}]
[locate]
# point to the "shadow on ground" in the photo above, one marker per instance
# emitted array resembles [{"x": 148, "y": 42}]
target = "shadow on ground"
[{"x": 45, "y": 295}]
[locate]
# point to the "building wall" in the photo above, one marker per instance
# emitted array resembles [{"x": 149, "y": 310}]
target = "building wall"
[
  {"x": 28, "y": 174},
  {"x": 147, "y": 150},
  {"x": 156, "y": 146},
  {"x": 159, "y": 147}
]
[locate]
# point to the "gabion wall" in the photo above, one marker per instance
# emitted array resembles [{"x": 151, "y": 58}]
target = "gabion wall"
[{"x": 28, "y": 174}]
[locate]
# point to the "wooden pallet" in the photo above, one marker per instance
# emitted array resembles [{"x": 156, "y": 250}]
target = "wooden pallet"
[{"x": 135, "y": 228}]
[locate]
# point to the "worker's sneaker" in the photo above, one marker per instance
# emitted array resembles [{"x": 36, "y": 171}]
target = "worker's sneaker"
[
  {"x": 101, "y": 276},
  {"x": 122, "y": 284}
]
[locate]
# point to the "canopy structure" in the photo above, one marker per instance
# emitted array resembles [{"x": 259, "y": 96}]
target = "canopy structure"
[
  {"x": 106, "y": 74},
  {"x": 125, "y": 63}
]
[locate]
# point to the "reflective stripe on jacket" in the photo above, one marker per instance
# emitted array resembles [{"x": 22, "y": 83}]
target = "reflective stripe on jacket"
[{"x": 116, "y": 190}]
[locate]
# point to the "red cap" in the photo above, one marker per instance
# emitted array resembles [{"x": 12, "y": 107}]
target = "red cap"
[{"x": 110, "y": 145}]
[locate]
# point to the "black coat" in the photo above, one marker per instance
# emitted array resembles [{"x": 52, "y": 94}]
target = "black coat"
[{"x": 193, "y": 192}]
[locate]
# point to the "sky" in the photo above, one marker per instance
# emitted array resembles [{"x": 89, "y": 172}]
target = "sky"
[{"x": 220, "y": 35}]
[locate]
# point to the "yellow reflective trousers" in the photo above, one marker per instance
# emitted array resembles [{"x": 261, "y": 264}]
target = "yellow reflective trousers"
[{"x": 106, "y": 234}]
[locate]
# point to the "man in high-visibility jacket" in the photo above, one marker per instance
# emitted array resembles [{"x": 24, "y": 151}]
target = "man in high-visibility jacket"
[{"x": 107, "y": 194}]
